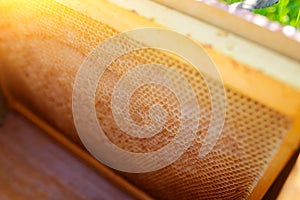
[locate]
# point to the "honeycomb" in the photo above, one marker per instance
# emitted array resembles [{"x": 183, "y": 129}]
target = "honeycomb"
[{"x": 42, "y": 46}]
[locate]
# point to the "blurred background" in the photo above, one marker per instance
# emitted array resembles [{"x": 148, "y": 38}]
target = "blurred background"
[{"x": 286, "y": 12}]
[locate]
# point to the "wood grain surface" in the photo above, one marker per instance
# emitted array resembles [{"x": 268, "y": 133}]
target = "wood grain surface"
[
  {"x": 33, "y": 166},
  {"x": 291, "y": 188}
]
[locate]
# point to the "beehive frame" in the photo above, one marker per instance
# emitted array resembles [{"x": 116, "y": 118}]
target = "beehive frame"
[{"x": 249, "y": 82}]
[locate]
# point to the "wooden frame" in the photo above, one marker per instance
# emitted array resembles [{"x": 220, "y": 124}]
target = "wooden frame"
[
  {"x": 220, "y": 15},
  {"x": 283, "y": 89}
]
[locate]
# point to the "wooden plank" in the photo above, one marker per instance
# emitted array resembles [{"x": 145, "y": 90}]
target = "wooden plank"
[
  {"x": 291, "y": 188},
  {"x": 32, "y": 166},
  {"x": 255, "y": 28},
  {"x": 275, "y": 189}
]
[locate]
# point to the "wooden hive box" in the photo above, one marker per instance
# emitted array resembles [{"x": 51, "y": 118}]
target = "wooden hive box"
[{"x": 44, "y": 43}]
